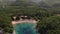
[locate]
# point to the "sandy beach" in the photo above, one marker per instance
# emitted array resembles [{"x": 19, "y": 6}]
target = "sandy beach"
[{"x": 24, "y": 21}]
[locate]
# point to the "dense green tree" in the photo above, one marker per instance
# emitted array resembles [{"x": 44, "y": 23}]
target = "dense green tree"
[{"x": 50, "y": 25}]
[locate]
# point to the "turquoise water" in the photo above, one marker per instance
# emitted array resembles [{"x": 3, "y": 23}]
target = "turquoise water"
[{"x": 25, "y": 28}]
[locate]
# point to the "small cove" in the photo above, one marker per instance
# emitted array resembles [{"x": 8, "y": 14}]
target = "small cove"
[{"x": 25, "y": 28}]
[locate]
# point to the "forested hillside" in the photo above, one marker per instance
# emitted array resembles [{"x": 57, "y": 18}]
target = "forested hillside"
[{"x": 49, "y": 17}]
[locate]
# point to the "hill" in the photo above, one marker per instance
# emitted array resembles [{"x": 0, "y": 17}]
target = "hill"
[{"x": 56, "y": 5}]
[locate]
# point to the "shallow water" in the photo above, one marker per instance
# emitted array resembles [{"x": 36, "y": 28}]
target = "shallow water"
[{"x": 25, "y": 28}]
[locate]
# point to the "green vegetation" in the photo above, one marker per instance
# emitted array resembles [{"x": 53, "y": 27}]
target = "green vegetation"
[{"x": 48, "y": 17}]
